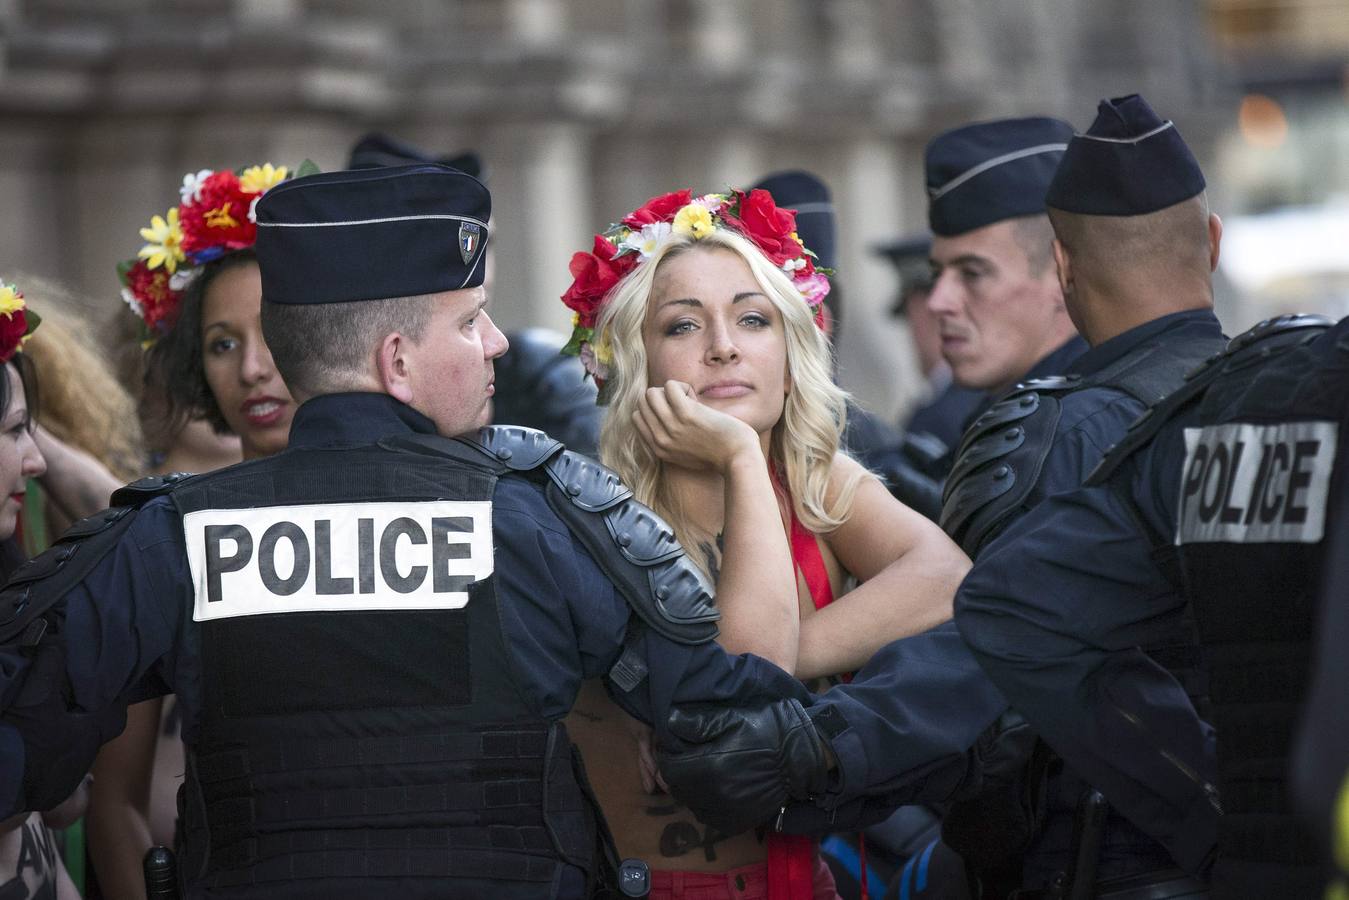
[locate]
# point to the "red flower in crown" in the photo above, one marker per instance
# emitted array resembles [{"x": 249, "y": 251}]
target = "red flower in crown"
[
  {"x": 218, "y": 220},
  {"x": 13, "y": 326},
  {"x": 658, "y": 209},
  {"x": 595, "y": 274},
  {"x": 770, "y": 227},
  {"x": 158, "y": 302},
  {"x": 16, "y": 321}
]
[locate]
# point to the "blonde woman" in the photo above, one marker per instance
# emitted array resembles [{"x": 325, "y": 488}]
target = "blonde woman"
[{"x": 700, "y": 318}]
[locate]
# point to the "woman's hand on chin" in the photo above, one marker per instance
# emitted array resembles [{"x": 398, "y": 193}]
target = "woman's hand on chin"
[{"x": 681, "y": 430}]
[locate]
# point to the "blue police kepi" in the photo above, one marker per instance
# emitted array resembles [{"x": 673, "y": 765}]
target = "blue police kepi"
[
  {"x": 1135, "y": 246},
  {"x": 374, "y": 634}
]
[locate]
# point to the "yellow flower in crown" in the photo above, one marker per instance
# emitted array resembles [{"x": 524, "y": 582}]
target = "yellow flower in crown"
[
  {"x": 256, "y": 179},
  {"x": 604, "y": 350},
  {"x": 694, "y": 220},
  {"x": 164, "y": 245},
  {"x": 11, "y": 301}
]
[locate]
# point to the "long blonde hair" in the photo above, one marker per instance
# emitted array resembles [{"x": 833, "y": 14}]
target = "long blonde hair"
[{"x": 804, "y": 440}]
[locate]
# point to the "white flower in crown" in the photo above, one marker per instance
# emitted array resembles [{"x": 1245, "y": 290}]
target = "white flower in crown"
[
  {"x": 192, "y": 184},
  {"x": 132, "y": 302},
  {"x": 179, "y": 280},
  {"x": 710, "y": 202},
  {"x": 647, "y": 240},
  {"x": 794, "y": 265}
]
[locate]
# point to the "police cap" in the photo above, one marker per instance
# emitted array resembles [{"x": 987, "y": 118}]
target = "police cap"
[
  {"x": 1129, "y": 163},
  {"x": 379, "y": 149},
  {"x": 989, "y": 171},
  {"x": 809, "y": 196},
  {"x": 369, "y": 234},
  {"x": 909, "y": 256}
]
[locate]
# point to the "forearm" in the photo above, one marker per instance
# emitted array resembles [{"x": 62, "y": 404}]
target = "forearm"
[
  {"x": 756, "y": 588},
  {"x": 911, "y": 595},
  {"x": 118, "y": 820}
]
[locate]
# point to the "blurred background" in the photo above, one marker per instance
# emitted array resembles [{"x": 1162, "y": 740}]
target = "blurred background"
[{"x": 581, "y": 109}]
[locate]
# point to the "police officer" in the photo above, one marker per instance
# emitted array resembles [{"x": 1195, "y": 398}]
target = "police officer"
[
  {"x": 375, "y": 634},
  {"x": 994, "y": 293},
  {"x": 1135, "y": 246},
  {"x": 1239, "y": 470},
  {"x": 1320, "y": 769}
]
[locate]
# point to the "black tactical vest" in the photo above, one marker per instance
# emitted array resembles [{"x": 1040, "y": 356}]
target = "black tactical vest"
[
  {"x": 380, "y": 746},
  {"x": 1270, "y": 417},
  {"x": 1251, "y": 535}
]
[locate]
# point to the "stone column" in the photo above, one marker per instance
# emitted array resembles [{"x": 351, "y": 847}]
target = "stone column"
[
  {"x": 541, "y": 203},
  {"x": 876, "y": 361}
]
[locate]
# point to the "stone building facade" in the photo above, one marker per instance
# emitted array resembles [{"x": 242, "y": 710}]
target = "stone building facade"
[{"x": 581, "y": 108}]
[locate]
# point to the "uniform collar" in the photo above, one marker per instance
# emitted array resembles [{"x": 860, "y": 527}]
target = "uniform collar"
[
  {"x": 353, "y": 419},
  {"x": 1058, "y": 361},
  {"x": 1196, "y": 322}
]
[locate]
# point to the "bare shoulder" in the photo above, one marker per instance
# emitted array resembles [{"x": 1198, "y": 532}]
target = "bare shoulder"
[{"x": 844, "y": 472}]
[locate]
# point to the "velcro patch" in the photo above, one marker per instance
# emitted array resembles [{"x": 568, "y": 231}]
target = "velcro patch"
[
  {"x": 1256, "y": 484},
  {"x": 337, "y": 557}
]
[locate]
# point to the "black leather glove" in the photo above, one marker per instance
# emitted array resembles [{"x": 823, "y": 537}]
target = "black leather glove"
[{"x": 736, "y": 767}]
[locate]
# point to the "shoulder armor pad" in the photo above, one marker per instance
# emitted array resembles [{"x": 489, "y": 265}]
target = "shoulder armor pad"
[
  {"x": 641, "y": 536},
  {"x": 999, "y": 461},
  {"x": 138, "y": 493},
  {"x": 1260, "y": 343},
  {"x": 588, "y": 484},
  {"x": 638, "y": 550},
  {"x": 514, "y": 446},
  {"x": 41, "y": 582},
  {"x": 1279, "y": 325}
]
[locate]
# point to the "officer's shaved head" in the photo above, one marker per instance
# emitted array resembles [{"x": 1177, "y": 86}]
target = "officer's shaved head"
[{"x": 1107, "y": 249}]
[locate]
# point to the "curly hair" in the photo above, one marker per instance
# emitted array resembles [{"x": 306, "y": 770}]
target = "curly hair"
[
  {"x": 83, "y": 404},
  {"x": 805, "y": 439},
  {"x": 174, "y": 365}
]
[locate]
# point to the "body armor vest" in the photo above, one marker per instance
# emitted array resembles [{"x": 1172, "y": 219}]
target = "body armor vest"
[
  {"x": 357, "y": 751},
  {"x": 993, "y": 481},
  {"x": 1251, "y": 539}
]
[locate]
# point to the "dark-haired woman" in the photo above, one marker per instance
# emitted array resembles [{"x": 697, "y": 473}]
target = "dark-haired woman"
[
  {"x": 29, "y": 863},
  {"x": 198, "y": 291}
]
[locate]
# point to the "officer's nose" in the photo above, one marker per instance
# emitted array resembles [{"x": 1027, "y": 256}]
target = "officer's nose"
[
  {"x": 494, "y": 343},
  {"x": 944, "y": 297}
]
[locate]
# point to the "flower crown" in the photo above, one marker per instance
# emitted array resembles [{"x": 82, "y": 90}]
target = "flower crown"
[
  {"x": 17, "y": 322},
  {"x": 215, "y": 216},
  {"x": 626, "y": 245}
]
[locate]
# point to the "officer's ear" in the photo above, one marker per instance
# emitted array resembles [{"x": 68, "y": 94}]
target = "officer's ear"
[
  {"x": 391, "y": 359},
  {"x": 1215, "y": 238},
  {"x": 1063, "y": 263}
]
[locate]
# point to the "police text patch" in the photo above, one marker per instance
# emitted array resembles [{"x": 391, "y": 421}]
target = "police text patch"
[
  {"x": 337, "y": 556},
  {"x": 1254, "y": 484}
]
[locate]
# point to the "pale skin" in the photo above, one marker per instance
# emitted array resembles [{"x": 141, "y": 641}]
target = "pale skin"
[{"x": 716, "y": 347}]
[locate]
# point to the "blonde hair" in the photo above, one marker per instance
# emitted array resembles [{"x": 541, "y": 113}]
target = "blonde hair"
[{"x": 804, "y": 440}]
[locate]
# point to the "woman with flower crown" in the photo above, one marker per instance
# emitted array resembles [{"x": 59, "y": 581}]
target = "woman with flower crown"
[
  {"x": 197, "y": 290},
  {"x": 29, "y": 863},
  {"x": 700, "y": 317}
]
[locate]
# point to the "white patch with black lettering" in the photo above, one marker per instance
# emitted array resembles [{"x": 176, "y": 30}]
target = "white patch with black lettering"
[
  {"x": 1256, "y": 484},
  {"x": 337, "y": 556}
]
